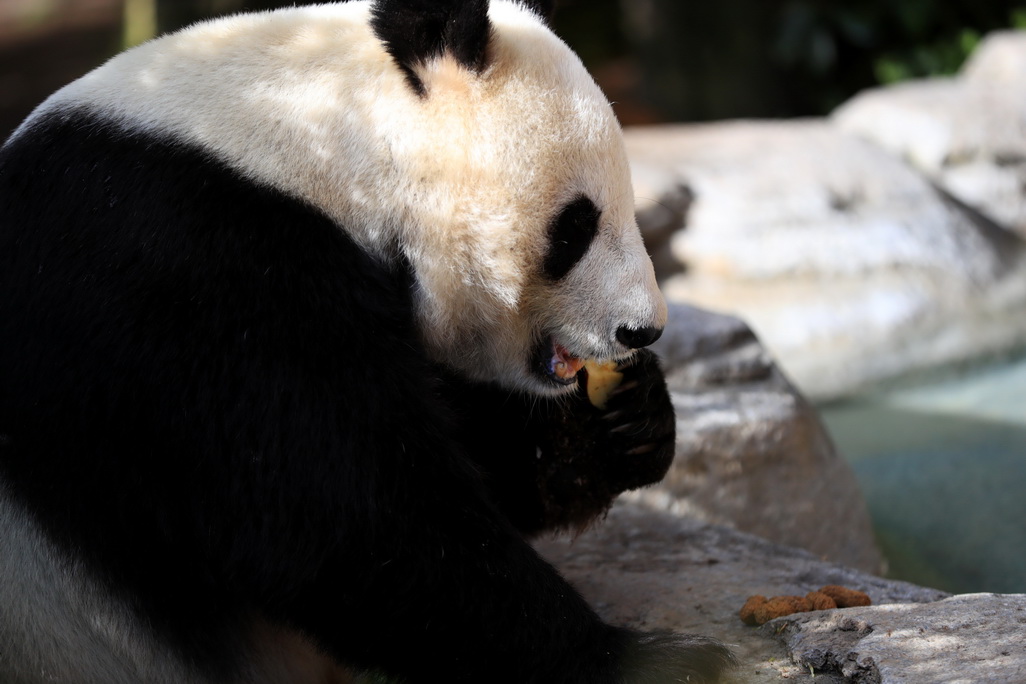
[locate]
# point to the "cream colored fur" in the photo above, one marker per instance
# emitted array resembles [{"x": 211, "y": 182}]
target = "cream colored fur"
[
  {"x": 58, "y": 625},
  {"x": 463, "y": 181}
]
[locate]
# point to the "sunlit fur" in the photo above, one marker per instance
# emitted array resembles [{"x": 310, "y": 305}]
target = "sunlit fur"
[
  {"x": 227, "y": 457},
  {"x": 463, "y": 181}
]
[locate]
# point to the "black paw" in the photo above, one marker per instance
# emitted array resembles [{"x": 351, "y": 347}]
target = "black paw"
[
  {"x": 589, "y": 455},
  {"x": 638, "y": 425}
]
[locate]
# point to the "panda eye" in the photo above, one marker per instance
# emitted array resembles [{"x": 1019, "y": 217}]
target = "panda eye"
[{"x": 570, "y": 234}]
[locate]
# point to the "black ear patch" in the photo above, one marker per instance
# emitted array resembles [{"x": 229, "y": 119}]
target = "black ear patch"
[
  {"x": 414, "y": 31},
  {"x": 570, "y": 235}
]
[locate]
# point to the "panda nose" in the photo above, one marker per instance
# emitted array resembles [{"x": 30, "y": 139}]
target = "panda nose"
[{"x": 636, "y": 338}]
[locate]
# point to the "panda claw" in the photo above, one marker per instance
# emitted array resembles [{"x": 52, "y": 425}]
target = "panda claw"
[
  {"x": 624, "y": 428},
  {"x": 625, "y": 387}
]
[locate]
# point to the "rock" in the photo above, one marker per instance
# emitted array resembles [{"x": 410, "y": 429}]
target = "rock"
[
  {"x": 968, "y": 133},
  {"x": 850, "y": 266},
  {"x": 751, "y": 452},
  {"x": 1000, "y": 60},
  {"x": 843, "y": 207},
  {"x": 652, "y": 570},
  {"x": 661, "y": 204},
  {"x": 965, "y": 638}
]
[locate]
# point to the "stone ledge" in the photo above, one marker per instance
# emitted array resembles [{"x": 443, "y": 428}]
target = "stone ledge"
[
  {"x": 966, "y": 638},
  {"x": 655, "y": 571}
]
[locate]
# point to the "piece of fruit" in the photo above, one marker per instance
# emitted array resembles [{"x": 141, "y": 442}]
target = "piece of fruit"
[{"x": 603, "y": 378}]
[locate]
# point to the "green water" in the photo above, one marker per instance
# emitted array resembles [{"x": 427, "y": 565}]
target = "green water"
[{"x": 943, "y": 469}]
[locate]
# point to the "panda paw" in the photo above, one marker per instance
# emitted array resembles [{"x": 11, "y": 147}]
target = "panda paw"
[
  {"x": 587, "y": 456},
  {"x": 638, "y": 425}
]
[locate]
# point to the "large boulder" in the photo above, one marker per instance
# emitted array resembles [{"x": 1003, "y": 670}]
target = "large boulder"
[
  {"x": 850, "y": 265},
  {"x": 967, "y": 133},
  {"x": 751, "y": 452},
  {"x": 799, "y": 198}
]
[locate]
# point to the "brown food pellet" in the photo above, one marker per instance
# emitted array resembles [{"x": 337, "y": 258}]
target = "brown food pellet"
[
  {"x": 845, "y": 597},
  {"x": 758, "y": 610},
  {"x": 747, "y": 613},
  {"x": 820, "y": 601},
  {"x": 778, "y": 606}
]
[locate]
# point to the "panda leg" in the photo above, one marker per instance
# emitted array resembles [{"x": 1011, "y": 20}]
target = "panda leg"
[{"x": 460, "y": 596}]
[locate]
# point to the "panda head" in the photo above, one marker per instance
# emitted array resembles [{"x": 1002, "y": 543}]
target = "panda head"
[
  {"x": 463, "y": 139},
  {"x": 526, "y": 250}
]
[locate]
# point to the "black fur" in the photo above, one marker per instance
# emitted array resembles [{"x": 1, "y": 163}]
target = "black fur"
[
  {"x": 414, "y": 31},
  {"x": 570, "y": 234},
  {"x": 216, "y": 402},
  {"x": 562, "y": 463}
]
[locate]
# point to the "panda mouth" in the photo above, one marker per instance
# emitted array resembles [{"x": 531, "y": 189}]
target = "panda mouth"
[{"x": 554, "y": 362}]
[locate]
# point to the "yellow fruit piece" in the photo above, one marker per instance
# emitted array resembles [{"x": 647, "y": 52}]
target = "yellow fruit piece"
[{"x": 603, "y": 378}]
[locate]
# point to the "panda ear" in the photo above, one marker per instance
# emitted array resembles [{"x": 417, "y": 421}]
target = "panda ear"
[
  {"x": 415, "y": 31},
  {"x": 543, "y": 9}
]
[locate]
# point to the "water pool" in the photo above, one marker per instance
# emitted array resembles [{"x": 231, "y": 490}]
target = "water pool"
[{"x": 943, "y": 469}]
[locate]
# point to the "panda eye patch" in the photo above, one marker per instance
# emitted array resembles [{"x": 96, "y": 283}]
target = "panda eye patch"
[{"x": 570, "y": 234}]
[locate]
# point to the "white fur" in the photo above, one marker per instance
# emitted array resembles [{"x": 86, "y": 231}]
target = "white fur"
[
  {"x": 464, "y": 181},
  {"x": 58, "y": 624}
]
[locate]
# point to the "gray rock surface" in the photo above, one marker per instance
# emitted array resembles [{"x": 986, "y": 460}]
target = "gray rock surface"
[
  {"x": 751, "y": 453},
  {"x": 661, "y": 203},
  {"x": 1000, "y": 60},
  {"x": 652, "y": 570},
  {"x": 968, "y": 133},
  {"x": 967, "y": 638},
  {"x": 791, "y": 198},
  {"x": 851, "y": 266}
]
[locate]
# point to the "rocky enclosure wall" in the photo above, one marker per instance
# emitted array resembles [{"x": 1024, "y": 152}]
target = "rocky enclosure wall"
[{"x": 886, "y": 240}]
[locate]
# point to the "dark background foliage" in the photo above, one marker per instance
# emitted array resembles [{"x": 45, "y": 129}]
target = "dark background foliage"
[
  {"x": 659, "y": 60},
  {"x": 689, "y": 60}
]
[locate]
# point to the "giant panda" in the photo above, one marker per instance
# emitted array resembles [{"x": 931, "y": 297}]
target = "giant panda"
[{"x": 292, "y": 310}]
